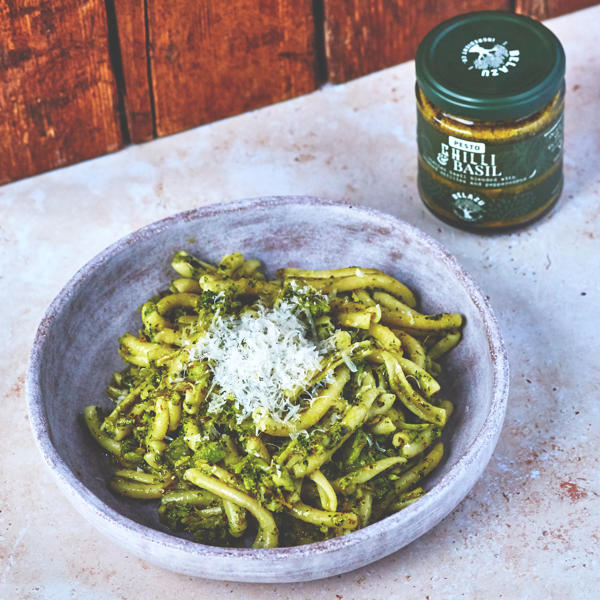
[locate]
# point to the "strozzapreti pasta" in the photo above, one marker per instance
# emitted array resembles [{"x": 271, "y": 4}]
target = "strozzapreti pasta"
[{"x": 277, "y": 412}]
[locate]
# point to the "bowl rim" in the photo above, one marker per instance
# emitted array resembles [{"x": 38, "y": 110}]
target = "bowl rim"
[{"x": 481, "y": 447}]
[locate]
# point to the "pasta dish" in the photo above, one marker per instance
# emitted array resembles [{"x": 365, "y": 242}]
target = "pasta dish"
[{"x": 277, "y": 413}]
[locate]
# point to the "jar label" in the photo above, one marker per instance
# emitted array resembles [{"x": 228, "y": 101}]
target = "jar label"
[{"x": 481, "y": 182}]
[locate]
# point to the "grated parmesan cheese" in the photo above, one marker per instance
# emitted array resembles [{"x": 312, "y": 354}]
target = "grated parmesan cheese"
[{"x": 257, "y": 357}]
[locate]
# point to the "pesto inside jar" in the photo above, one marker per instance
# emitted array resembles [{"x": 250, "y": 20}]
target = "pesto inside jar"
[{"x": 490, "y": 102}]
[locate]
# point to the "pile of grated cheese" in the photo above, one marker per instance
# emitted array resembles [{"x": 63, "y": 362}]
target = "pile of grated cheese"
[{"x": 257, "y": 357}]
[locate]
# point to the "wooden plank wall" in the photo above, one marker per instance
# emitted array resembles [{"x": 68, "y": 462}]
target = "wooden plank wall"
[
  {"x": 58, "y": 94},
  {"x": 80, "y": 78},
  {"x": 362, "y": 36},
  {"x": 545, "y": 9},
  {"x": 131, "y": 32},
  {"x": 213, "y": 59},
  {"x": 186, "y": 62}
]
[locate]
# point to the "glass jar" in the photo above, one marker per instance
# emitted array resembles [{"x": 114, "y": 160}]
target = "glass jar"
[{"x": 490, "y": 102}]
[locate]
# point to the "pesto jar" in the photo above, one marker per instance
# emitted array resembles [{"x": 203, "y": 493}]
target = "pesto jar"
[{"x": 490, "y": 101}]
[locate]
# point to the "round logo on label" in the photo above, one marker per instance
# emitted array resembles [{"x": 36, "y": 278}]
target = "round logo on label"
[
  {"x": 488, "y": 56},
  {"x": 468, "y": 207}
]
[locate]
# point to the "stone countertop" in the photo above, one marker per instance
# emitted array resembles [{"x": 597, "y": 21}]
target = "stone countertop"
[{"x": 530, "y": 528}]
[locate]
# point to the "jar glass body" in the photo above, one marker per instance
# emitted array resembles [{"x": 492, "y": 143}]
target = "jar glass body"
[{"x": 490, "y": 175}]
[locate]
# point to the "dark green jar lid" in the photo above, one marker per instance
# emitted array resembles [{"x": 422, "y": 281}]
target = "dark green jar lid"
[{"x": 490, "y": 65}]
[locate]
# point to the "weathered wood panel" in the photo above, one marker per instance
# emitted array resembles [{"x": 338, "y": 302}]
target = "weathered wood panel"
[
  {"x": 131, "y": 32},
  {"x": 58, "y": 97},
  {"x": 362, "y": 36},
  {"x": 544, "y": 9},
  {"x": 213, "y": 59}
]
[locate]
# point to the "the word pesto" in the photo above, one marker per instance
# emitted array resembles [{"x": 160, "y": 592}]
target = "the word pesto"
[{"x": 284, "y": 411}]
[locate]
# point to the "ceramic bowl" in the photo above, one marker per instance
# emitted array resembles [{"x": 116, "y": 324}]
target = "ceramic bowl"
[{"x": 75, "y": 353}]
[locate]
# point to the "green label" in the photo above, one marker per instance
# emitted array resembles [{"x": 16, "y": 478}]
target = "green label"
[{"x": 481, "y": 182}]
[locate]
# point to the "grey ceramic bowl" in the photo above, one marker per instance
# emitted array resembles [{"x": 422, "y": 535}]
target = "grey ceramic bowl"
[{"x": 75, "y": 352}]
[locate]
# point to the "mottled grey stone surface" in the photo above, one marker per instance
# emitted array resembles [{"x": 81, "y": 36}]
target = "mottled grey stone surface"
[{"x": 529, "y": 528}]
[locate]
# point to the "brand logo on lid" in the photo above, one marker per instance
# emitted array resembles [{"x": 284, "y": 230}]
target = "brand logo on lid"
[{"x": 489, "y": 57}]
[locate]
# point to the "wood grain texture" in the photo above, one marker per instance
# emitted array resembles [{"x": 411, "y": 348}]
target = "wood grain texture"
[
  {"x": 131, "y": 31},
  {"x": 544, "y": 9},
  {"x": 213, "y": 59},
  {"x": 362, "y": 36},
  {"x": 58, "y": 97}
]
